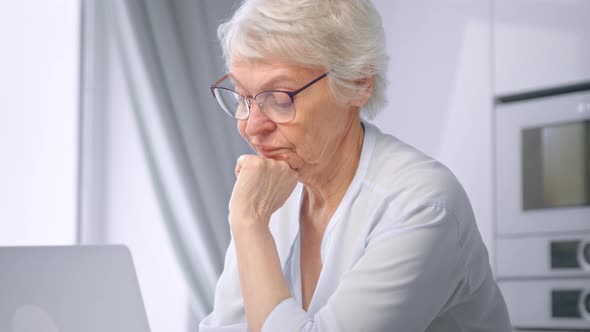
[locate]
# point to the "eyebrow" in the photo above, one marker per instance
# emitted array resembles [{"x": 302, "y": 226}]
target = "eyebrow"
[{"x": 264, "y": 87}]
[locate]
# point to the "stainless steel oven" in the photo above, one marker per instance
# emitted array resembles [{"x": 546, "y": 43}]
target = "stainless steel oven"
[{"x": 543, "y": 207}]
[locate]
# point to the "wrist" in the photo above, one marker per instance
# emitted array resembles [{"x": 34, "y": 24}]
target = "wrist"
[
  {"x": 247, "y": 219},
  {"x": 250, "y": 231}
]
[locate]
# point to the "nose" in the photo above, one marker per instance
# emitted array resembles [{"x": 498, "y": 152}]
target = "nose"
[{"x": 258, "y": 123}]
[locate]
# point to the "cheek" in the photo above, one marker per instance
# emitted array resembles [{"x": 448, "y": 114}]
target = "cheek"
[{"x": 307, "y": 145}]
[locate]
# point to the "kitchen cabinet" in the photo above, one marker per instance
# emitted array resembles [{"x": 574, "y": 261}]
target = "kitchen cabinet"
[{"x": 540, "y": 44}]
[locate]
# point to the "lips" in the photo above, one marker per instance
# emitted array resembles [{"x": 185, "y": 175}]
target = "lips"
[{"x": 267, "y": 150}]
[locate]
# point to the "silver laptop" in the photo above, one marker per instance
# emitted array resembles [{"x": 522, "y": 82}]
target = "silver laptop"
[{"x": 69, "y": 289}]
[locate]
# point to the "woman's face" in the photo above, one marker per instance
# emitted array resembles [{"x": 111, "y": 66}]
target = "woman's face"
[{"x": 312, "y": 138}]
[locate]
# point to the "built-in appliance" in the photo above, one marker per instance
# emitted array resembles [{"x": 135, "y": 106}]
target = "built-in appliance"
[{"x": 543, "y": 207}]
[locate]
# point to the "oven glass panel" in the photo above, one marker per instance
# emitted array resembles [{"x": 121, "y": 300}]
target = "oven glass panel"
[{"x": 556, "y": 166}]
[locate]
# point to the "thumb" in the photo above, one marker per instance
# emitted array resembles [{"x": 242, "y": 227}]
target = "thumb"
[{"x": 239, "y": 164}]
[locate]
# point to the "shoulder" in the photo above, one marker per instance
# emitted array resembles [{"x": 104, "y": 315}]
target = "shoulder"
[{"x": 407, "y": 180}]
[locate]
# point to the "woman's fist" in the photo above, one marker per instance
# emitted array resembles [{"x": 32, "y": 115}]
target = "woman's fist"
[{"x": 262, "y": 187}]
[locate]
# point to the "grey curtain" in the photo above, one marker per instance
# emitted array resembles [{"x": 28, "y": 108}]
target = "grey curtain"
[{"x": 170, "y": 57}]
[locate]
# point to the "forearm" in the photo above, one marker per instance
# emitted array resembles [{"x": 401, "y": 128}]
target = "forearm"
[{"x": 261, "y": 277}]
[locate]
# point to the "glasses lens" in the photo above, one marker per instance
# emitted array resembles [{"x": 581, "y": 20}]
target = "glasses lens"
[
  {"x": 232, "y": 103},
  {"x": 278, "y": 106}
]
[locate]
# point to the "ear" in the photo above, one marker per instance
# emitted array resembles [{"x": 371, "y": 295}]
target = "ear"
[{"x": 365, "y": 90}]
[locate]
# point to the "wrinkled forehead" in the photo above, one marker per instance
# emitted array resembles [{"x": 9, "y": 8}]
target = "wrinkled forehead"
[{"x": 253, "y": 75}]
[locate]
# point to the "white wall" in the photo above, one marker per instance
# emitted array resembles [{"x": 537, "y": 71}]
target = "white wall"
[
  {"x": 440, "y": 92},
  {"x": 38, "y": 121}
]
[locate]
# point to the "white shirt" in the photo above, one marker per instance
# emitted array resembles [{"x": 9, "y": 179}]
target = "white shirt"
[{"x": 401, "y": 253}]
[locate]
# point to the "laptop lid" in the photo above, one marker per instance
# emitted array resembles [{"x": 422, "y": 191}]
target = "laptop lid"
[{"x": 70, "y": 289}]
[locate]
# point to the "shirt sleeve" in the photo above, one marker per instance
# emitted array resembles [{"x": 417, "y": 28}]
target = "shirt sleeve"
[
  {"x": 407, "y": 274},
  {"x": 228, "y": 309}
]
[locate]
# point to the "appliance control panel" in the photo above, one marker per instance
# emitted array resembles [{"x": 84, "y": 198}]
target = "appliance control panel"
[
  {"x": 554, "y": 304},
  {"x": 543, "y": 256}
]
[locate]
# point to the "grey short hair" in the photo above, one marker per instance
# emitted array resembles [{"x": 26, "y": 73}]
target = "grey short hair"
[{"x": 345, "y": 37}]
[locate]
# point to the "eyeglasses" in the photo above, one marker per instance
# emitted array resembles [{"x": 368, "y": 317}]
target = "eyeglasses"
[{"x": 278, "y": 105}]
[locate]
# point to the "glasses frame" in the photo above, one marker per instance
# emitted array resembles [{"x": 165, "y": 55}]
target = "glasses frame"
[{"x": 249, "y": 100}]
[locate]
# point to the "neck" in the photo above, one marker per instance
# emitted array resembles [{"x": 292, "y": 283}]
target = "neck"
[{"x": 325, "y": 189}]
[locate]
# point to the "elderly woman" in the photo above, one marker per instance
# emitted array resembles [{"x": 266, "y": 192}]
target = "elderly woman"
[{"x": 335, "y": 225}]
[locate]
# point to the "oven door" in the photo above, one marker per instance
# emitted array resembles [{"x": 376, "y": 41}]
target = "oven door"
[{"x": 543, "y": 165}]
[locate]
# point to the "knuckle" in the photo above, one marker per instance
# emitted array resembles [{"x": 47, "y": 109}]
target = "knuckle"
[
  {"x": 256, "y": 161},
  {"x": 246, "y": 159}
]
